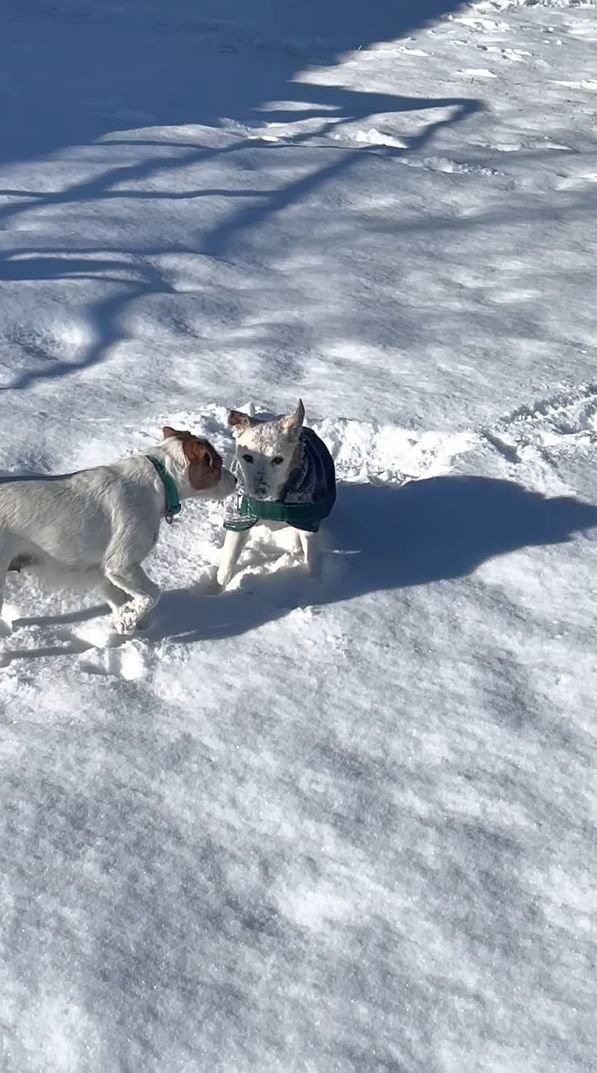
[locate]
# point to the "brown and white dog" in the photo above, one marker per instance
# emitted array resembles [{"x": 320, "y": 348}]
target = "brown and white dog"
[{"x": 103, "y": 522}]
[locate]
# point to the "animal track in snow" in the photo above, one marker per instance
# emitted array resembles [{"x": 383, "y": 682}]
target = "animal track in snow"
[
  {"x": 565, "y": 418},
  {"x": 412, "y": 51},
  {"x": 583, "y": 83},
  {"x": 517, "y": 55},
  {"x": 477, "y": 22},
  {"x": 445, "y": 164},
  {"x": 366, "y": 451},
  {"x": 372, "y": 136},
  {"x": 128, "y": 661},
  {"x": 477, "y": 72}
]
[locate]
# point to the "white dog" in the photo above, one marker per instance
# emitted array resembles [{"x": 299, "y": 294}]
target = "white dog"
[
  {"x": 103, "y": 522},
  {"x": 287, "y": 477}
]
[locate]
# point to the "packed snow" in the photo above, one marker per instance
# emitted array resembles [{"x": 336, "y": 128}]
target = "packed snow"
[{"x": 336, "y": 824}]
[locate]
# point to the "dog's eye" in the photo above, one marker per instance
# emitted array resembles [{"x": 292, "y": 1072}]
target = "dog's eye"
[
  {"x": 277, "y": 461},
  {"x": 248, "y": 458}
]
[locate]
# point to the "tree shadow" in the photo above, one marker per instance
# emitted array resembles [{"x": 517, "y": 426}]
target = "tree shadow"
[
  {"x": 386, "y": 537},
  {"x": 75, "y": 73},
  {"x": 201, "y": 63},
  {"x": 346, "y": 106},
  {"x": 106, "y": 322}
]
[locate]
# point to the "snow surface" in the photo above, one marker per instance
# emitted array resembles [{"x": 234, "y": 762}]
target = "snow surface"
[{"x": 344, "y": 825}]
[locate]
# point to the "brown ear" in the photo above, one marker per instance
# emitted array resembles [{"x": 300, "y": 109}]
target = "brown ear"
[
  {"x": 168, "y": 433},
  {"x": 238, "y": 421},
  {"x": 197, "y": 449}
]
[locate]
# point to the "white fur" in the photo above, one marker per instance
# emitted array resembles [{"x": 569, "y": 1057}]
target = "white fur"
[
  {"x": 98, "y": 522},
  {"x": 271, "y": 446},
  {"x": 259, "y": 446}
]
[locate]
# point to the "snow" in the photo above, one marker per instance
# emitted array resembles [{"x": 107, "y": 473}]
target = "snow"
[{"x": 307, "y": 825}]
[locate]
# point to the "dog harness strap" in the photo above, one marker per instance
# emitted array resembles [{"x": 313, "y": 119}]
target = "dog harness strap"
[{"x": 172, "y": 500}]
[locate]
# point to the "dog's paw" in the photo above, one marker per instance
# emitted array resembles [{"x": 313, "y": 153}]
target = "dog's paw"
[
  {"x": 208, "y": 586},
  {"x": 222, "y": 580},
  {"x": 126, "y": 618},
  {"x": 132, "y": 615}
]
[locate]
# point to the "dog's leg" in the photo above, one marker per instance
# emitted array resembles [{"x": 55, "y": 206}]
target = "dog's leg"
[
  {"x": 311, "y": 551},
  {"x": 115, "y": 597},
  {"x": 234, "y": 543},
  {"x": 296, "y": 542},
  {"x": 142, "y": 593}
]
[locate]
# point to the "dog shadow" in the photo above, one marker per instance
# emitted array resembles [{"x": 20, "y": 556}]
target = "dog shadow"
[
  {"x": 383, "y": 537},
  {"x": 379, "y": 537}
]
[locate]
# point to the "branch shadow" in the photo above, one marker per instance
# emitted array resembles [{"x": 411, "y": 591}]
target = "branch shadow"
[
  {"x": 105, "y": 318},
  {"x": 386, "y": 537},
  {"x": 67, "y": 645},
  {"x": 68, "y": 618},
  {"x": 72, "y": 77},
  {"x": 347, "y": 105},
  {"x": 69, "y": 648},
  {"x": 206, "y": 63}
]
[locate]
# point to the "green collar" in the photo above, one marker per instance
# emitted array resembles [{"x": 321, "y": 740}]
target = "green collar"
[
  {"x": 306, "y": 516},
  {"x": 172, "y": 500}
]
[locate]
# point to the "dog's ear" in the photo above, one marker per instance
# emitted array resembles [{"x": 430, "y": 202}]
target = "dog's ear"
[
  {"x": 294, "y": 421},
  {"x": 238, "y": 421},
  {"x": 196, "y": 448},
  {"x": 205, "y": 464},
  {"x": 170, "y": 433},
  {"x": 199, "y": 450}
]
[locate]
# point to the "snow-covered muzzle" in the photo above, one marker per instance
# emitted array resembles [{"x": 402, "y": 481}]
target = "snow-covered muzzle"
[{"x": 267, "y": 453}]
